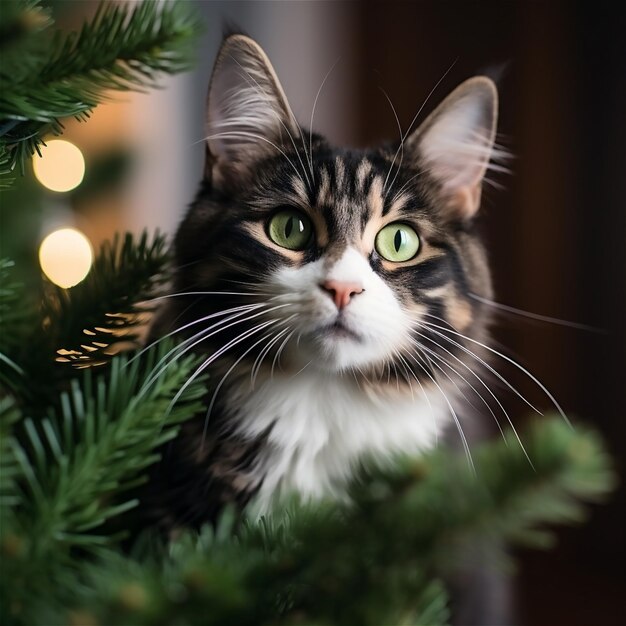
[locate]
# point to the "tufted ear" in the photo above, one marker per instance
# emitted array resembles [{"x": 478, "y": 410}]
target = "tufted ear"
[
  {"x": 248, "y": 116},
  {"x": 455, "y": 143}
]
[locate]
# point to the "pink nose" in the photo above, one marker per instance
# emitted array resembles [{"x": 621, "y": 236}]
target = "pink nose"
[{"x": 341, "y": 291}]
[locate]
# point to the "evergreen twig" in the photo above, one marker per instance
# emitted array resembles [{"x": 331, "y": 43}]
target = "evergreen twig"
[
  {"x": 87, "y": 321},
  {"x": 15, "y": 317},
  {"x": 75, "y": 465},
  {"x": 82, "y": 326},
  {"x": 378, "y": 560},
  {"x": 19, "y": 20},
  {"x": 122, "y": 48},
  {"x": 9, "y": 468}
]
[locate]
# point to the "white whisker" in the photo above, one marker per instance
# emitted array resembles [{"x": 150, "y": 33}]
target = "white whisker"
[
  {"x": 208, "y": 293},
  {"x": 534, "y": 316},
  {"x": 438, "y": 356},
  {"x": 245, "y": 307},
  {"x": 504, "y": 411},
  {"x": 223, "y": 380},
  {"x": 396, "y": 154},
  {"x": 203, "y": 336},
  {"x": 515, "y": 364},
  {"x": 429, "y": 326},
  {"x": 279, "y": 351},
  {"x": 233, "y": 342},
  {"x": 459, "y": 428},
  {"x": 319, "y": 91},
  {"x": 259, "y": 360}
]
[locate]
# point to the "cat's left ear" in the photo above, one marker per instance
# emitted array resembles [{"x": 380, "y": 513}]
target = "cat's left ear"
[{"x": 454, "y": 144}]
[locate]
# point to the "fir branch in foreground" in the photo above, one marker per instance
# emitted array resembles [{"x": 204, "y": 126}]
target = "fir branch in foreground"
[
  {"x": 75, "y": 467},
  {"x": 85, "y": 323},
  {"x": 107, "y": 307},
  {"x": 20, "y": 19},
  {"x": 82, "y": 326},
  {"x": 377, "y": 561},
  {"x": 124, "y": 47},
  {"x": 10, "y": 471},
  {"x": 15, "y": 321}
]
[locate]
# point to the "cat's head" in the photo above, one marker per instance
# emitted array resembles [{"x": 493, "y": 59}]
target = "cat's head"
[{"x": 341, "y": 257}]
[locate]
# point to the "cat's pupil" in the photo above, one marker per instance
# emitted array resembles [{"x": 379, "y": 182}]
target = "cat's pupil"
[
  {"x": 289, "y": 227},
  {"x": 294, "y": 224},
  {"x": 398, "y": 240}
]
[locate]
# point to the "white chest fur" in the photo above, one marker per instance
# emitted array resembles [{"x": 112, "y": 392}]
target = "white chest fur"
[{"x": 321, "y": 424}]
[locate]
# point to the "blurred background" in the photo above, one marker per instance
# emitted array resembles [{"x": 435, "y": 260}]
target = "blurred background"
[{"x": 555, "y": 227}]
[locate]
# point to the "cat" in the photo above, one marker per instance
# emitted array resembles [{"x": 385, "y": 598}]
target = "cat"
[{"x": 328, "y": 292}]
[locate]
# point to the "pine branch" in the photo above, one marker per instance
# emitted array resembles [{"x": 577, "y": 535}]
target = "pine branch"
[
  {"x": 375, "y": 561},
  {"x": 15, "y": 318},
  {"x": 87, "y": 324},
  {"x": 89, "y": 320},
  {"x": 9, "y": 469},
  {"x": 76, "y": 464},
  {"x": 19, "y": 20},
  {"x": 123, "y": 48}
]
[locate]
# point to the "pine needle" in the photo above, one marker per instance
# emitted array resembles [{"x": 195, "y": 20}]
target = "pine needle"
[{"x": 124, "y": 47}]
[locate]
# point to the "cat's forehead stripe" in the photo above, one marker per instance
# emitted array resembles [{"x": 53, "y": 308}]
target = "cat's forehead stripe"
[
  {"x": 323, "y": 194},
  {"x": 375, "y": 200},
  {"x": 364, "y": 168},
  {"x": 340, "y": 173}
]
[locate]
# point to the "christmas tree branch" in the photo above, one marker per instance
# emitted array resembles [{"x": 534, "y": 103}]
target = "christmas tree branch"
[
  {"x": 10, "y": 472},
  {"x": 376, "y": 560},
  {"x": 73, "y": 466},
  {"x": 20, "y": 20},
  {"x": 82, "y": 326},
  {"x": 107, "y": 307},
  {"x": 15, "y": 318},
  {"x": 122, "y": 48}
]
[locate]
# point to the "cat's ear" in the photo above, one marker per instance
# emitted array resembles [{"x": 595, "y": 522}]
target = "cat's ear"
[
  {"x": 454, "y": 144},
  {"x": 248, "y": 116}
]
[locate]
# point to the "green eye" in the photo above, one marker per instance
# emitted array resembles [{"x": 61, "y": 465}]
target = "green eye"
[
  {"x": 290, "y": 229},
  {"x": 397, "y": 242}
]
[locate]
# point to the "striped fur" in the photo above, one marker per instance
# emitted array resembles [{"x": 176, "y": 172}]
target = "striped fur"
[{"x": 300, "y": 393}]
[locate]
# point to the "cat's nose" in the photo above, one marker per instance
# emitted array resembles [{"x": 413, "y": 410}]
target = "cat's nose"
[{"x": 341, "y": 291}]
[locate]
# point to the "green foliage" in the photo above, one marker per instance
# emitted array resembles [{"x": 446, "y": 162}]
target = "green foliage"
[
  {"x": 74, "y": 465},
  {"x": 380, "y": 559},
  {"x": 9, "y": 468},
  {"x": 82, "y": 326},
  {"x": 20, "y": 20},
  {"x": 107, "y": 307},
  {"x": 124, "y": 47},
  {"x": 13, "y": 321}
]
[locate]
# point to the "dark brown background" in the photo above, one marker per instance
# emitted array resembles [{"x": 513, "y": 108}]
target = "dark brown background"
[{"x": 556, "y": 232}]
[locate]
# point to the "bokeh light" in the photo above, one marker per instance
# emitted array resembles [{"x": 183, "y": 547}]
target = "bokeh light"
[
  {"x": 65, "y": 257},
  {"x": 61, "y": 166}
]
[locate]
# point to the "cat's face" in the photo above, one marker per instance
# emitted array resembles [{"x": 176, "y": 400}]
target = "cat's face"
[{"x": 338, "y": 259}]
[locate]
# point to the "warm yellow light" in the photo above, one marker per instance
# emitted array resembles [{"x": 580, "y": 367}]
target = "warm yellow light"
[
  {"x": 61, "y": 166},
  {"x": 65, "y": 257}
]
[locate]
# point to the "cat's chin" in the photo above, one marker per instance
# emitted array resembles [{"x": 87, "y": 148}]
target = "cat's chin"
[{"x": 337, "y": 348}]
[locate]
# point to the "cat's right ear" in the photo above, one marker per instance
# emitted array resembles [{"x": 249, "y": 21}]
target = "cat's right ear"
[
  {"x": 248, "y": 116},
  {"x": 454, "y": 145}
]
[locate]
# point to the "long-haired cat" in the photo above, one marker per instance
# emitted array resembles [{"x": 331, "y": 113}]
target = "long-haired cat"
[{"x": 328, "y": 292}]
